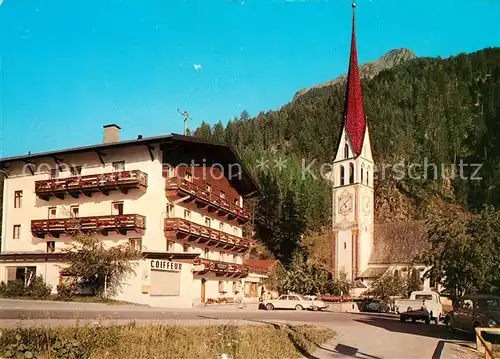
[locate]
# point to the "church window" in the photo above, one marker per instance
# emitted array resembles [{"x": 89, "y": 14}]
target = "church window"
[
  {"x": 345, "y": 245},
  {"x": 342, "y": 175},
  {"x": 351, "y": 173},
  {"x": 346, "y": 151},
  {"x": 362, "y": 170},
  {"x": 368, "y": 176}
]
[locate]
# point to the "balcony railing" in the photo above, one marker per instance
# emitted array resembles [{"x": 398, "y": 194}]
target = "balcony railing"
[
  {"x": 221, "y": 268},
  {"x": 106, "y": 182},
  {"x": 208, "y": 199},
  {"x": 102, "y": 224},
  {"x": 202, "y": 234}
]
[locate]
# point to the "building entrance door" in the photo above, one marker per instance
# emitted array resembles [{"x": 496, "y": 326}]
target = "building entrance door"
[{"x": 203, "y": 281}]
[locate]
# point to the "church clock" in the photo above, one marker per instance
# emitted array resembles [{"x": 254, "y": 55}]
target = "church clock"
[{"x": 345, "y": 203}]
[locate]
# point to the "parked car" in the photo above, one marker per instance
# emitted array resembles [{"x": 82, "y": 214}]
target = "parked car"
[
  {"x": 317, "y": 304},
  {"x": 474, "y": 311},
  {"x": 377, "y": 305},
  {"x": 422, "y": 305},
  {"x": 289, "y": 301}
]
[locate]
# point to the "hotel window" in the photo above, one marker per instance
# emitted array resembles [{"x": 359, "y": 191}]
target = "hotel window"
[
  {"x": 54, "y": 173},
  {"x": 235, "y": 230},
  {"x": 119, "y": 166},
  {"x": 187, "y": 214},
  {"x": 16, "y": 232},
  {"x": 76, "y": 170},
  {"x": 117, "y": 208},
  {"x": 185, "y": 248},
  {"x": 208, "y": 222},
  {"x": 222, "y": 194},
  {"x": 222, "y": 256},
  {"x": 170, "y": 211},
  {"x": 170, "y": 246},
  {"x": 221, "y": 286},
  {"x": 209, "y": 187},
  {"x": 18, "y": 195},
  {"x": 221, "y": 226},
  {"x": 51, "y": 247},
  {"x": 74, "y": 211},
  {"x": 235, "y": 258},
  {"x": 52, "y": 212},
  {"x": 188, "y": 176},
  {"x": 206, "y": 253},
  {"x": 135, "y": 243}
]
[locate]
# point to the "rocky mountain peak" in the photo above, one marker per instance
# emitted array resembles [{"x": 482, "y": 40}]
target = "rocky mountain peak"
[{"x": 370, "y": 69}]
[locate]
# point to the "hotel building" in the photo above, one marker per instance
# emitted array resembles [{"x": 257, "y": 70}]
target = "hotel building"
[{"x": 178, "y": 199}]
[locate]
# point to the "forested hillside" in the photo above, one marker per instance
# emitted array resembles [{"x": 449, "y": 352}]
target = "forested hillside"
[{"x": 442, "y": 111}]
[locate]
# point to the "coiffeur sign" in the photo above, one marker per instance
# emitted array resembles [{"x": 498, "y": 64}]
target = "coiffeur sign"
[{"x": 166, "y": 265}]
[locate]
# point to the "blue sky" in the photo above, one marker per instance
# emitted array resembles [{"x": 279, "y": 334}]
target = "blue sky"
[{"x": 69, "y": 67}]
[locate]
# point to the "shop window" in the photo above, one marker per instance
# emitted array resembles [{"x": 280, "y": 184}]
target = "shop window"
[{"x": 164, "y": 283}]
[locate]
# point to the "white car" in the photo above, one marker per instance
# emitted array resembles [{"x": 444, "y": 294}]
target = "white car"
[
  {"x": 422, "y": 305},
  {"x": 289, "y": 301},
  {"x": 317, "y": 304}
]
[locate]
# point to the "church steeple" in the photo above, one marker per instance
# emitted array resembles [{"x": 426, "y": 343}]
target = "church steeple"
[{"x": 354, "y": 115}]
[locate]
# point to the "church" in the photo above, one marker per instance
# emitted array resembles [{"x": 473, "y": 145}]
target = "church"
[{"x": 363, "y": 250}]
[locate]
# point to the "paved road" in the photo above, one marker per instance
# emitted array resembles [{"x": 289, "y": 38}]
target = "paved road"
[{"x": 369, "y": 336}]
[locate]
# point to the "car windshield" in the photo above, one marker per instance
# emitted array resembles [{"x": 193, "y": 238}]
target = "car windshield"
[
  {"x": 489, "y": 304},
  {"x": 423, "y": 297}
]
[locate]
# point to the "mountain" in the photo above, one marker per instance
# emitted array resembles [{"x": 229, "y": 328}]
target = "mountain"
[
  {"x": 370, "y": 69},
  {"x": 437, "y": 119}
]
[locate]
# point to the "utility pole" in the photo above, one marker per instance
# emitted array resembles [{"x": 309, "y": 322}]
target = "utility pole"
[{"x": 186, "y": 116}]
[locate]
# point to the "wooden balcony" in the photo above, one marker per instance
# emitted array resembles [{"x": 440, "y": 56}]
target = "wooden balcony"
[
  {"x": 100, "y": 224},
  {"x": 220, "y": 269},
  {"x": 104, "y": 183},
  {"x": 193, "y": 193},
  {"x": 192, "y": 232}
]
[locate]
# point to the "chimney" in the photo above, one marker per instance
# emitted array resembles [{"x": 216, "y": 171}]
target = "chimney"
[{"x": 111, "y": 133}]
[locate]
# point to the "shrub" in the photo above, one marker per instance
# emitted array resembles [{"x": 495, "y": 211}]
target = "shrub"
[
  {"x": 66, "y": 291},
  {"x": 38, "y": 288},
  {"x": 16, "y": 288}
]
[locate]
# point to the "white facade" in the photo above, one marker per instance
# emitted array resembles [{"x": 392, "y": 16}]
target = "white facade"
[
  {"x": 353, "y": 206},
  {"x": 189, "y": 283}
]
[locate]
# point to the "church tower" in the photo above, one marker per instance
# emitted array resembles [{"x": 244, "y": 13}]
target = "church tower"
[{"x": 352, "y": 178}]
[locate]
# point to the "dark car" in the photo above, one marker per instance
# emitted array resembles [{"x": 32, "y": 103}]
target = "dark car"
[
  {"x": 475, "y": 311},
  {"x": 377, "y": 305}
]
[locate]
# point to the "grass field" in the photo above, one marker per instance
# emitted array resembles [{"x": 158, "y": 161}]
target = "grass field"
[{"x": 164, "y": 341}]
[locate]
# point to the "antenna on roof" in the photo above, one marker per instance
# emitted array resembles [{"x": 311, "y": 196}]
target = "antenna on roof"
[{"x": 186, "y": 116}]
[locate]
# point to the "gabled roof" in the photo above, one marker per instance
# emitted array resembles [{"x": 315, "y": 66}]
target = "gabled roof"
[
  {"x": 373, "y": 272},
  {"x": 245, "y": 184},
  {"x": 261, "y": 265},
  {"x": 354, "y": 114},
  {"x": 399, "y": 243}
]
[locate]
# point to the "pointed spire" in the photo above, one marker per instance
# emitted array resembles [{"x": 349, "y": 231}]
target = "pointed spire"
[{"x": 354, "y": 114}]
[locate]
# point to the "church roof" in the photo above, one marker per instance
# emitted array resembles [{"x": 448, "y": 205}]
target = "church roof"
[
  {"x": 354, "y": 114},
  {"x": 372, "y": 272},
  {"x": 398, "y": 243}
]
